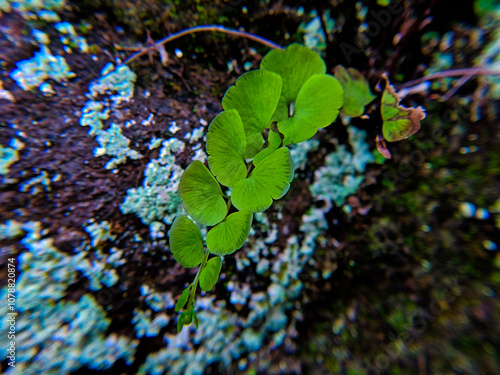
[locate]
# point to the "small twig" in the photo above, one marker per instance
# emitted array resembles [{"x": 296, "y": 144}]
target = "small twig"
[
  {"x": 456, "y": 87},
  {"x": 203, "y": 28},
  {"x": 452, "y": 73}
]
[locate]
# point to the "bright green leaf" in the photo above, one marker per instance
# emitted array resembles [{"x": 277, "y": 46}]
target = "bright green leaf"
[
  {"x": 296, "y": 64},
  {"x": 269, "y": 180},
  {"x": 226, "y": 146},
  {"x": 229, "y": 235},
  {"x": 201, "y": 195},
  {"x": 400, "y": 122},
  {"x": 357, "y": 92},
  {"x": 182, "y": 299},
  {"x": 255, "y": 96},
  {"x": 273, "y": 142},
  {"x": 210, "y": 273},
  {"x": 186, "y": 242},
  {"x": 317, "y": 106}
]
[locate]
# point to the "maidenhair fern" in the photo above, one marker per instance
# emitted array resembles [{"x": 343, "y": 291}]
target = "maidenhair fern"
[{"x": 286, "y": 101}]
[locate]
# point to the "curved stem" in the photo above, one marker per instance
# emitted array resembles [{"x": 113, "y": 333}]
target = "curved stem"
[
  {"x": 452, "y": 73},
  {"x": 202, "y": 28}
]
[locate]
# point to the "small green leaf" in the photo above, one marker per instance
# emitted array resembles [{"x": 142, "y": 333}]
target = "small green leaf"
[
  {"x": 226, "y": 146},
  {"x": 400, "y": 122},
  {"x": 269, "y": 180},
  {"x": 210, "y": 273},
  {"x": 182, "y": 299},
  {"x": 186, "y": 242},
  {"x": 180, "y": 322},
  {"x": 255, "y": 96},
  {"x": 357, "y": 92},
  {"x": 188, "y": 317},
  {"x": 195, "y": 319},
  {"x": 229, "y": 235},
  {"x": 317, "y": 106},
  {"x": 201, "y": 195},
  {"x": 296, "y": 64}
]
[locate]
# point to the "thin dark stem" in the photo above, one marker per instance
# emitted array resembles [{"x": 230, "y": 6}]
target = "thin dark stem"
[
  {"x": 456, "y": 87},
  {"x": 452, "y": 73},
  {"x": 202, "y": 28}
]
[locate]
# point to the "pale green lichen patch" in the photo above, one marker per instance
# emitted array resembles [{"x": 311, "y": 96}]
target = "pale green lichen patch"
[
  {"x": 157, "y": 199},
  {"x": 118, "y": 85},
  {"x": 8, "y": 156},
  {"x": 43, "y": 9},
  {"x": 43, "y": 65},
  {"x": 343, "y": 171},
  {"x": 70, "y": 38},
  {"x": 118, "y": 81},
  {"x": 37, "y": 184},
  {"x": 314, "y": 36},
  {"x": 72, "y": 333},
  {"x": 113, "y": 143}
]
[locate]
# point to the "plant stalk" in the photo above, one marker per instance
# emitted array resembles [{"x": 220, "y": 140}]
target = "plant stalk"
[
  {"x": 204, "y": 28},
  {"x": 452, "y": 73},
  {"x": 195, "y": 282}
]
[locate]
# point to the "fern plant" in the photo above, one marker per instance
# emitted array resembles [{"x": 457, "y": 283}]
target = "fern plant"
[{"x": 286, "y": 101}]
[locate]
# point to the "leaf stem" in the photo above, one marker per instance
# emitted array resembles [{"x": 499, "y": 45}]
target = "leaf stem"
[
  {"x": 203, "y": 28},
  {"x": 195, "y": 282}
]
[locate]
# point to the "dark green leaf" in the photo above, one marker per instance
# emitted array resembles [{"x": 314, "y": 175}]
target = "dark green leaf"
[
  {"x": 180, "y": 322},
  {"x": 188, "y": 317},
  {"x": 210, "y": 273},
  {"x": 183, "y": 299},
  {"x": 357, "y": 92}
]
